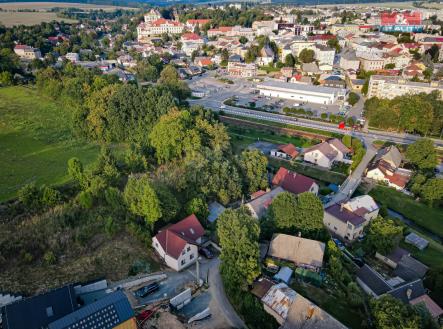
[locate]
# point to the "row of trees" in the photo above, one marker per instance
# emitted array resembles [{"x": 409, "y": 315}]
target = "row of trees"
[{"x": 422, "y": 114}]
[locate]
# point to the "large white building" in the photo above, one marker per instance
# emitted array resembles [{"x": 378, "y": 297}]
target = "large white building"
[
  {"x": 145, "y": 30},
  {"x": 324, "y": 55},
  {"x": 390, "y": 87},
  {"x": 300, "y": 92}
]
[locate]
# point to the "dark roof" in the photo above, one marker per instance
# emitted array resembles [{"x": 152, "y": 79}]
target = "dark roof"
[
  {"x": 373, "y": 280},
  {"x": 38, "y": 311},
  {"x": 345, "y": 215},
  {"x": 105, "y": 313},
  {"x": 292, "y": 182},
  {"x": 261, "y": 287},
  {"x": 174, "y": 238},
  {"x": 397, "y": 254},
  {"x": 410, "y": 269},
  {"x": 408, "y": 291}
]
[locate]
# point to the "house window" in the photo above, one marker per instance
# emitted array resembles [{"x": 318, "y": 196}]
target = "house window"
[
  {"x": 156, "y": 245},
  {"x": 49, "y": 311},
  {"x": 188, "y": 249},
  {"x": 350, "y": 226},
  {"x": 335, "y": 228},
  {"x": 183, "y": 252},
  {"x": 183, "y": 262},
  {"x": 191, "y": 256}
]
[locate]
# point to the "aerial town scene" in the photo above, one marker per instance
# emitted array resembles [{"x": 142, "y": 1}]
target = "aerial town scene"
[{"x": 221, "y": 164}]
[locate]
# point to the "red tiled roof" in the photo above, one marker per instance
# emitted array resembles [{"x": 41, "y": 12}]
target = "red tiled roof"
[
  {"x": 21, "y": 47},
  {"x": 289, "y": 149},
  {"x": 432, "y": 306},
  {"x": 162, "y": 21},
  {"x": 174, "y": 238},
  {"x": 322, "y": 37},
  {"x": 257, "y": 194},
  {"x": 191, "y": 36},
  {"x": 199, "y": 21},
  {"x": 292, "y": 182}
]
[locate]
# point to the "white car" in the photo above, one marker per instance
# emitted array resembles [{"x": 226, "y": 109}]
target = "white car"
[{"x": 223, "y": 106}]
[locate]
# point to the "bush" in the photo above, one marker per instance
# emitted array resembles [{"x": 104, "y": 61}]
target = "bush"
[
  {"x": 85, "y": 199},
  {"x": 353, "y": 98},
  {"x": 50, "y": 197},
  {"x": 29, "y": 195},
  {"x": 49, "y": 258},
  {"x": 324, "y": 116}
]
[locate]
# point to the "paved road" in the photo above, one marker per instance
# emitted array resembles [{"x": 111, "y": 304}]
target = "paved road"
[
  {"x": 218, "y": 292},
  {"x": 367, "y": 137}
]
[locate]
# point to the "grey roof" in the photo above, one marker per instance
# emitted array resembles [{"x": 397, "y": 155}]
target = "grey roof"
[
  {"x": 390, "y": 155},
  {"x": 296, "y": 87},
  {"x": 215, "y": 210},
  {"x": 416, "y": 240},
  {"x": 324, "y": 147},
  {"x": 410, "y": 269},
  {"x": 397, "y": 254},
  {"x": 373, "y": 280},
  {"x": 339, "y": 145},
  {"x": 300, "y": 251},
  {"x": 284, "y": 275},
  {"x": 39, "y": 310},
  {"x": 310, "y": 67},
  {"x": 408, "y": 291},
  {"x": 260, "y": 204},
  {"x": 106, "y": 313}
]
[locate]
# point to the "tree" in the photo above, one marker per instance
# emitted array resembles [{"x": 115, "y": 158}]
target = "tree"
[
  {"x": 353, "y": 98},
  {"x": 282, "y": 210},
  {"x": 432, "y": 191},
  {"x": 289, "y": 60},
  {"x": 29, "y": 195},
  {"x": 253, "y": 167},
  {"x": 75, "y": 170},
  {"x": 391, "y": 313},
  {"x": 306, "y": 55},
  {"x": 333, "y": 43},
  {"x": 243, "y": 40},
  {"x": 354, "y": 294},
  {"x": 170, "y": 79},
  {"x": 238, "y": 234},
  {"x": 6, "y": 79},
  {"x": 141, "y": 199},
  {"x": 199, "y": 207},
  {"x": 383, "y": 235},
  {"x": 422, "y": 154}
]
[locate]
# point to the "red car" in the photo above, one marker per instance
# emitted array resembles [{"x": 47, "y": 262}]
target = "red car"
[{"x": 146, "y": 314}]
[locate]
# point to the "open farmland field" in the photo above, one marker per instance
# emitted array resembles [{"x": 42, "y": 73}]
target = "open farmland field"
[
  {"x": 10, "y": 19},
  {"x": 45, "y": 6},
  {"x": 35, "y": 141},
  {"x": 400, "y": 5}
]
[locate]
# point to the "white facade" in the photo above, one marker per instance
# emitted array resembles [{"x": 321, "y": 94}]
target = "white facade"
[
  {"x": 324, "y": 55},
  {"x": 300, "y": 92},
  {"x": 187, "y": 257},
  {"x": 158, "y": 27},
  {"x": 298, "y": 46},
  {"x": 27, "y": 52},
  {"x": 72, "y": 57}
]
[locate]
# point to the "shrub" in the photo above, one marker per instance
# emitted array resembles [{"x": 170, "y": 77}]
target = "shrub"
[
  {"x": 49, "y": 258},
  {"x": 353, "y": 98},
  {"x": 50, "y": 197},
  {"x": 29, "y": 195},
  {"x": 85, "y": 199}
]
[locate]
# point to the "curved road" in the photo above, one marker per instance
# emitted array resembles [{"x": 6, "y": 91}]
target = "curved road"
[{"x": 217, "y": 291}]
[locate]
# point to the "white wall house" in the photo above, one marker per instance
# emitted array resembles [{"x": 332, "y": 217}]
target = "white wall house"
[
  {"x": 324, "y": 154},
  {"x": 178, "y": 244},
  {"x": 300, "y": 92}
]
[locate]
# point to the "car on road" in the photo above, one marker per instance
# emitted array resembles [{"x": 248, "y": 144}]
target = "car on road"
[
  {"x": 223, "y": 106},
  {"x": 147, "y": 290},
  {"x": 206, "y": 253}
]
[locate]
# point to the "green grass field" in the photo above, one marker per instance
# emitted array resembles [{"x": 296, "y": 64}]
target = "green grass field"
[
  {"x": 423, "y": 215},
  {"x": 35, "y": 141}
]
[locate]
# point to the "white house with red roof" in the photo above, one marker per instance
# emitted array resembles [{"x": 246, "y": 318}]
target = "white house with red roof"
[
  {"x": 192, "y": 37},
  {"x": 178, "y": 244},
  {"x": 324, "y": 154},
  {"x": 285, "y": 151},
  {"x": 294, "y": 182},
  {"x": 27, "y": 52}
]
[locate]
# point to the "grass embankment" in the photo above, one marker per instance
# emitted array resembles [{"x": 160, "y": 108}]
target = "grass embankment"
[
  {"x": 242, "y": 137},
  {"x": 36, "y": 141},
  {"x": 325, "y": 176},
  {"x": 420, "y": 213},
  {"x": 284, "y": 125}
]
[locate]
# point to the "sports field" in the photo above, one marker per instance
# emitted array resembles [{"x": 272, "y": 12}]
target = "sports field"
[{"x": 35, "y": 141}]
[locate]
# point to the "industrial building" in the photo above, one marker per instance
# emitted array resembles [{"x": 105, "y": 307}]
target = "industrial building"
[{"x": 301, "y": 93}]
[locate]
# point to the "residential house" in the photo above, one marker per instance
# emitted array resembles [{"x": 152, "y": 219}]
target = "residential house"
[
  {"x": 278, "y": 300},
  {"x": 203, "y": 61},
  {"x": 72, "y": 57},
  {"x": 334, "y": 81},
  {"x": 221, "y": 30},
  {"x": 266, "y": 56},
  {"x": 285, "y": 151},
  {"x": 347, "y": 220},
  {"x": 349, "y": 61},
  {"x": 152, "y": 15},
  {"x": 370, "y": 62},
  {"x": 386, "y": 168},
  {"x": 178, "y": 244},
  {"x": 294, "y": 182},
  {"x": 310, "y": 68},
  {"x": 192, "y": 37},
  {"x": 410, "y": 269},
  {"x": 259, "y": 205},
  {"x": 27, "y": 52},
  {"x": 302, "y": 252},
  {"x": 325, "y": 153},
  {"x": 371, "y": 281},
  {"x": 393, "y": 258},
  {"x": 324, "y": 55},
  {"x": 127, "y": 61},
  {"x": 111, "y": 311}
]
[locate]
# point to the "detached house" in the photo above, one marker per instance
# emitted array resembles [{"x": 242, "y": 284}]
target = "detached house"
[
  {"x": 324, "y": 154},
  {"x": 178, "y": 244},
  {"x": 294, "y": 182},
  {"x": 285, "y": 151},
  {"x": 386, "y": 168},
  {"x": 347, "y": 220}
]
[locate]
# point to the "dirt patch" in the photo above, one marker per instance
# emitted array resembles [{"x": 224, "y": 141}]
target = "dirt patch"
[{"x": 164, "y": 320}]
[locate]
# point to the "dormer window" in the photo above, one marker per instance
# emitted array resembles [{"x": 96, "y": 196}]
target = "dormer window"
[{"x": 192, "y": 231}]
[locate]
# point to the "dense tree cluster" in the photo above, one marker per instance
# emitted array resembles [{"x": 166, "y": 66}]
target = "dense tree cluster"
[
  {"x": 383, "y": 235},
  {"x": 422, "y": 114}
]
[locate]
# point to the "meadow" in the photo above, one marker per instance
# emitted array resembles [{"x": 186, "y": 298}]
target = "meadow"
[
  {"x": 35, "y": 141},
  {"x": 12, "y": 18}
]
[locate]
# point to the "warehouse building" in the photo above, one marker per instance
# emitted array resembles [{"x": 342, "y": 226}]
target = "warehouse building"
[{"x": 301, "y": 93}]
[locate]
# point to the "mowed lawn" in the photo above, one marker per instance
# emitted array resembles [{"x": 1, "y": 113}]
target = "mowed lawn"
[{"x": 35, "y": 141}]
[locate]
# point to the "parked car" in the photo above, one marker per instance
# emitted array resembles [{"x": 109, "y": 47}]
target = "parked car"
[
  {"x": 147, "y": 290},
  {"x": 206, "y": 253},
  {"x": 339, "y": 244}
]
